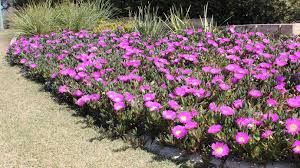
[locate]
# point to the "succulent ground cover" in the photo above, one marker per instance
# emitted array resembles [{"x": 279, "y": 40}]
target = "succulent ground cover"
[{"x": 221, "y": 94}]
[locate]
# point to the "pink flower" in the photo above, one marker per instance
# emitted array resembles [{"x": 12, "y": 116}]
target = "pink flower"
[
  {"x": 119, "y": 105},
  {"x": 213, "y": 107},
  {"x": 242, "y": 138},
  {"x": 174, "y": 105},
  {"x": 153, "y": 106},
  {"x": 23, "y": 61},
  {"x": 77, "y": 93},
  {"x": 129, "y": 97},
  {"x": 83, "y": 100},
  {"x": 33, "y": 65},
  {"x": 293, "y": 126},
  {"x": 115, "y": 97},
  {"x": 179, "y": 131},
  {"x": 267, "y": 134},
  {"x": 226, "y": 110},
  {"x": 191, "y": 125},
  {"x": 296, "y": 147},
  {"x": 224, "y": 86},
  {"x": 220, "y": 149},
  {"x": 169, "y": 114},
  {"x": 180, "y": 91},
  {"x": 298, "y": 88},
  {"x": 184, "y": 117},
  {"x": 272, "y": 102},
  {"x": 294, "y": 102},
  {"x": 192, "y": 81},
  {"x": 238, "y": 103},
  {"x": 214, "y": 129},
  {"x": 149, "y": 96},
  {"x": 255, "y": 93},
  {"x": 94, "y": 97},
  {"x": 63, "y": 89}
]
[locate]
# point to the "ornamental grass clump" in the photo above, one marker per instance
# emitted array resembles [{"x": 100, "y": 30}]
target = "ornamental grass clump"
[{"x": 222, "y": 94}]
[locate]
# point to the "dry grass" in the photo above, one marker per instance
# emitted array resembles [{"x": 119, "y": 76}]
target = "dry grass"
[{"x": 35, "y": 131}]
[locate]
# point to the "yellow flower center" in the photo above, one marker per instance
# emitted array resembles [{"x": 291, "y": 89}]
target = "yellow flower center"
[
  {"x": 293, "y": 127},
  {"x": 297, "y": 148},
  {"x": 219, "y": 150},
  {"x": 178, "y": 132},
  {"x": 183, "y": 118},
  {"x": 242, "y": 139}
]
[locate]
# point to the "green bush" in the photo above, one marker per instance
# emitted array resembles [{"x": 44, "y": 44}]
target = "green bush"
[{"x": 47, "y": 16}]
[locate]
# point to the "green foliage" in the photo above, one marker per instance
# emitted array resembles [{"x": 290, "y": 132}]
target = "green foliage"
[
  {"x": 33, "y": 18},
  {"x": 178, "y": 19},
  {"x": 148, "y": 22},
  {"x": 45, "y": 17},
  {"x": 239, "y": 12},
  {"x": 121, "y": 24}
]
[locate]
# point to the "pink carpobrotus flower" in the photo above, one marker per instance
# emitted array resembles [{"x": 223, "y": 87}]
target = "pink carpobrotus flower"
[
  {"x": 298, "y": 88},
  {"x": 149, "y": 96},
  {"x": 255, "y": 93},
  {"x": 83, "y": 100},
  {"x": 213, "y": 107},
  {"x": 63, "y": 89},
  {"x": 119, "y": 105},
  {"x": 179, "y": 131},
  {"x": 242, "y": 138},
  {"x": 184, "y": 117},
  {"x": 153, "y": 106},
  {"x": 214, "y": 129},
  {"x": 293, "y": 126},
  {"x": 238, "y": 103},
  {"x": 192, "y": 81},
  {"x": 129, "y": 97},
  {"x": 174, "y": 105},
  {"x": 296, "y": 147},
  {"x": 77, "y": 93},
  {"x": 220, "y": 149},
  {"x": 294, "y": 102},
  {"x": 226, "y": 110},
  {"x": 272, "y": 102},
  {"x": 23, "y": 61},
  {"x": 266, "y": 134},
  {"x": 115, "y": 97},
  {"x": 191, "y": 125},
  {"x": 169, "y": 114},
  {"x": 94, "y": 97}
]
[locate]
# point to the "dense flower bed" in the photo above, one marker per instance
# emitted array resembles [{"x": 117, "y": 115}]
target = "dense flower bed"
[{"x": 219, "y": 94}]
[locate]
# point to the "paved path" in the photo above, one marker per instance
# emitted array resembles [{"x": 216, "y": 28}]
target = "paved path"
[{"x": 35, "y": 131}]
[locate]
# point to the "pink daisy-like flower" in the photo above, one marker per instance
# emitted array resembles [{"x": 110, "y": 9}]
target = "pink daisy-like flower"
[
  {"x": 184, "y": 117},
  {"x": 191, "y": 125},
  {"x": 294, "y": 102},
  {"x": 23, "y": 61},
  {"x": 298, "y": 88},
  {"x": 296, "y": 147},
  {"x": 267, "y": 134},
  {"x": 115, "y": 97},
  {"x": 213, "y": 107},
  {"x": 149, "y": 96},
  {"x": 174, "y": 105},
  {"x": 153, "y": 106},
  {"x": 226, "y": 110},
  {"x": 293, "y": 126},
  {"x": 129, "y": 97},
  {"x": 238, "y": 103},
  {"x": 83, "y": 100},
  {"x": 214, "y": 129},
  {"x": 63, "y": 89},
  {"x": 272, "y": 102},
  {"x": 242, "y": 138},
  {"x": 169, "y": 114},
  {"x": 179, "y": 131},
  {"x": 255, "y": 93},
  {"x": 220, "y": 149},
  {"x": 77, "y": 93},
  {"x": 119, "y": 105}
]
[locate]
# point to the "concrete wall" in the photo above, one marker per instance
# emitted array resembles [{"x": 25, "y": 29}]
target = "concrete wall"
[{"x": 287, "y": 29}]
